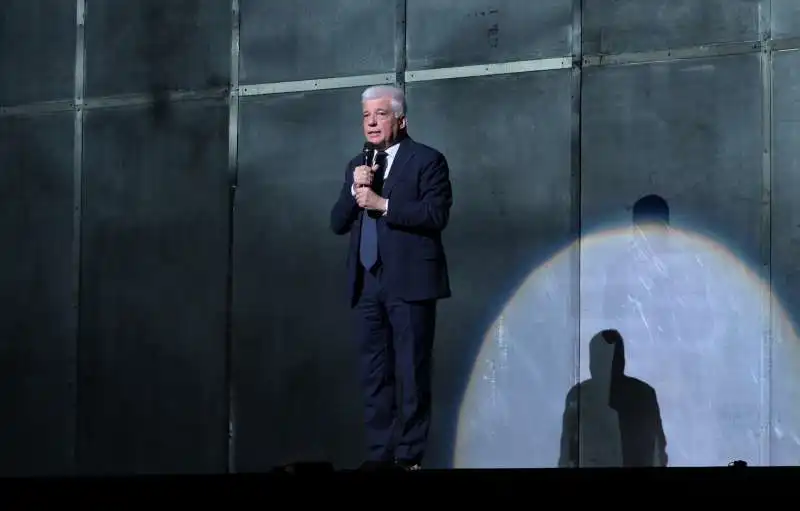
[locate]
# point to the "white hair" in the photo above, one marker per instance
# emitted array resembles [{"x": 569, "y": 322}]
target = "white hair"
[{"x": 395, "y": 94}]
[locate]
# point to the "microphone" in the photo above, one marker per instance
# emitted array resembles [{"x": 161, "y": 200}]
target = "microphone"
[{"x": 368, "y": 153}]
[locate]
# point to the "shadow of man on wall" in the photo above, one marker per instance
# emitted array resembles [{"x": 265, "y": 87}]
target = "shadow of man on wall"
[{"x": 611, "y": 419}]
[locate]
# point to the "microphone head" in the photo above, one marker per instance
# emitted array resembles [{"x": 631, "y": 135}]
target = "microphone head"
[{"x": 369, "y": 147}]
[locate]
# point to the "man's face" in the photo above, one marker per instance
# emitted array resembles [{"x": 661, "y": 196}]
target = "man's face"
[{"x": 381, "y": 126}]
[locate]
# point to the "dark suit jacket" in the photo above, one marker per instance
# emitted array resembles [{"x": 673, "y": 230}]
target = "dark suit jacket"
[{"x": 409, "y": 235}]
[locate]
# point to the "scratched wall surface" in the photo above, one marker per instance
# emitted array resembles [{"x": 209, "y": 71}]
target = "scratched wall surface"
[
  {"x": 503, "y": 187},
  {"x": 127, "y": 372},
  {"x": 294, "y": 361},
  {"x": 685, "y": 302},
  {"x": 37, "y": 327},
  {"x": 315, "y": 39},
  {"x": 150, "y": 46},
  {"x": 442, "y": 34},
  {"x": 785, "y": 18},
  {"x": 785, "y": 243},
  {"x": 626, "y": 26},
  {"x": 688, "y": 306},
  {"x": 152, "y": 392},
  {"x": 37, "y": 51}
]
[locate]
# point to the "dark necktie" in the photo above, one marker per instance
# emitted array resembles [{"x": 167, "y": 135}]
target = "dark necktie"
[{"x": 369, "y": 224}]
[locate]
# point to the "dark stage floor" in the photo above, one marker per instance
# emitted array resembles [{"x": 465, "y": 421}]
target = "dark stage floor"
[{"x": 650, "y": 487}]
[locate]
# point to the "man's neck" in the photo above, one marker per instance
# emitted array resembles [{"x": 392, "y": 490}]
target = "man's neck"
[{"x": 386, "y": 145}]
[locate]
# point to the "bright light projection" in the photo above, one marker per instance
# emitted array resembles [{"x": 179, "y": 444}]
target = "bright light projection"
[{"x": 694, "y": 322}]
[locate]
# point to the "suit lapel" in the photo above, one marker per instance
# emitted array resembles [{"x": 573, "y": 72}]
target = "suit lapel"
[{"x": 404, "y": 153}]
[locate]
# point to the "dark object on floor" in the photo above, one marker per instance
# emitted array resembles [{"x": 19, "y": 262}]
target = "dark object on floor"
[{"x": 305, "y": 468}]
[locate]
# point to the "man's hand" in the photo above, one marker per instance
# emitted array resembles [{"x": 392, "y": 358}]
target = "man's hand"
[
  {"x": 362, "y": 175},
  {"x": 368, "y": 199}
]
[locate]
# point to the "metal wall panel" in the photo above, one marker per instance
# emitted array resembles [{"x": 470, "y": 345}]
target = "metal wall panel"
[
  {"x": 785, "y": 18},
  {"x": 458, "y": 33},
  {"x": 37, "y": 329},
  {"x": 640, "y": 25},
  {"x": 785, "y": 245},
  {"x": 37, "y": 50},
  {"x": 295, "y": 366},
  {"x": 687, "y": 301},
  {"x": 306, "y": 39},
  {"x": 153, "y": 393},
  {"x": 504, "y": 347},
  {"x": 150, "y": 46}
]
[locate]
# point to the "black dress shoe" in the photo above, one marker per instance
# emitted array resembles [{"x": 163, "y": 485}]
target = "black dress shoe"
[{"x": 407, "y": 465}]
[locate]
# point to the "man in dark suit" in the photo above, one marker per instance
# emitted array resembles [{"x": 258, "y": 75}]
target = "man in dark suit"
[{"x": 395, "y": 211}]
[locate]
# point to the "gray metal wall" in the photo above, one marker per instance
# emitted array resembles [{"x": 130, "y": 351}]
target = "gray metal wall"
[{"x": 173, "y": 300}]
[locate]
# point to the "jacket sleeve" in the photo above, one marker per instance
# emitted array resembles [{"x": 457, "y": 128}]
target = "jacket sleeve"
[
  {"x": 345, "y": 210},
  {"x": 432, "y": 209}
]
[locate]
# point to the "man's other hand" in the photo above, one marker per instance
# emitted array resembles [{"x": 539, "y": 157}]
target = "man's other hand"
[
  {"x": 362, "y": 175},
  {"x": 368, "y": 199}
]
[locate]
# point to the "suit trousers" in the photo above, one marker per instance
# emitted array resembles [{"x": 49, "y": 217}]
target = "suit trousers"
[{"x": 395, "y": 344}]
